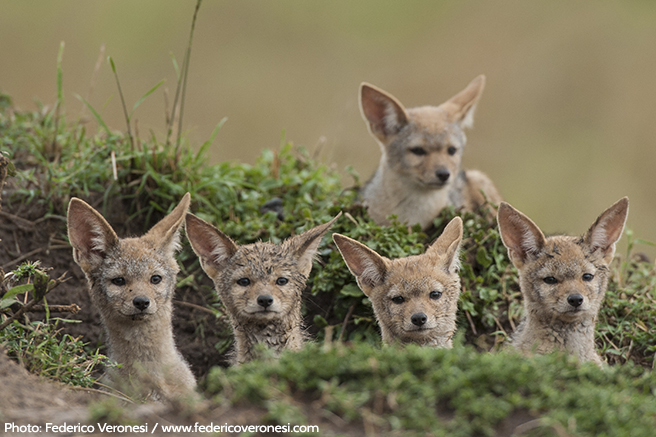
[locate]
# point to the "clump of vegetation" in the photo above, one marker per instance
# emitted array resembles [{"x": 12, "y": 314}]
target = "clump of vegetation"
[
  {"x": 451, "y": 392},
  {"x": 37, "y": 345}
]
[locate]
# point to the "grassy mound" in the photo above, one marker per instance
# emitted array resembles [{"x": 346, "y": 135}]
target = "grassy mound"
[{"x": 464, "y": 391}]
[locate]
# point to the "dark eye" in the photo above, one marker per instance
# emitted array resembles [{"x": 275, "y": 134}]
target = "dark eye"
[
  {"x": 118, "y": 281},
  {"x": 435, "y": 294},
  {"x": 155, "y": 279},
  {"x": 282, "y": 281},
  {"x": 588, "y": 277},
  {"x": 419, "y": 151},
  {"x": 244, "y": 282},
  {"x": 550, "y": 280},
  {"x": 451, "y": 150},
  {"x": 398, "y": 299}
]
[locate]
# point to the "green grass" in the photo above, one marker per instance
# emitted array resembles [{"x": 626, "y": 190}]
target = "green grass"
[{"x": 457, "y": 392}]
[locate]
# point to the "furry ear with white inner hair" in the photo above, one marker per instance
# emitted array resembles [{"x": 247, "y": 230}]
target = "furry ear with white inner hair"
[
  {"x": 213, "y": 247},
  {"x": 384, "y": 115},
  {"x": 305, "y": 245},
  {"x": 165, "y": 235},
  {"x": 519, "y": 234},
  {"x": 90, "y": 235},
  {"x": 448, "y": 245},
  {"x": 607, "y": 229},
  {"x": 460, "y": 108},
  {"x": 365, "y": 264}
]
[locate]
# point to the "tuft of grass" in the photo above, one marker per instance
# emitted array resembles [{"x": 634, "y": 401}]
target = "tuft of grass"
[{"x": 43, "y": 350}]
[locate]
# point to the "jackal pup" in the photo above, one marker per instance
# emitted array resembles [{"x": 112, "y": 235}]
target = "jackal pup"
[
  {"x": 419, "y": 172},
  {"x": 132, "y": 281},
  {"x": 415, "y": 299},
  {"x": 562, "y": 279},
  {"x": 260, "y": 284}
]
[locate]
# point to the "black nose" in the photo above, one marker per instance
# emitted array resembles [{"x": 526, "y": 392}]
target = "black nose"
[
  {"x": 575, "y": 300},
  {"x": 443, "y": 174},
  {"x": 141, "y": 302},
  {"x": 264, "y": 300},
  {"x": 419, "y": 319}
]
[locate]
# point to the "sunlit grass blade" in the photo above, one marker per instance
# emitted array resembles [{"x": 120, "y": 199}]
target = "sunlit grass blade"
[
  {"x": 140, "y": 101},
  {"x": 175, "y": 66},
  {"x": 209, "y": 142},
  {"x": 97, "y": 116}
]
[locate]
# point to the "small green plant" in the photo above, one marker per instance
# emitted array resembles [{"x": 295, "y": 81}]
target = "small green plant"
[{"x": 39, "y": 346}]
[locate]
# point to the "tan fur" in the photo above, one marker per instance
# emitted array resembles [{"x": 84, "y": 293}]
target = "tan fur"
[
  {"x": 419, "y": 172},
  {"x": 415, "y": 299},
  {"x": 260, "y": 284},
  {"x": 132, "y": 282},
  {"x": 561, "y": 300}
]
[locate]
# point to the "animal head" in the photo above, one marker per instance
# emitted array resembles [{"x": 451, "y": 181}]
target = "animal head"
[
  {"x": 260, "y": 282},
  {"x": 132, "y": 279},
  {"x": 415, "y": 299},
  {"x": 562, "y": 277},
  {"x": 423, "y": 144}
]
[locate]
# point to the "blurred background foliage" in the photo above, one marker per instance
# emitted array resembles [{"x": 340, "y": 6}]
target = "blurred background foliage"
[{"x": 565, "y": 126}]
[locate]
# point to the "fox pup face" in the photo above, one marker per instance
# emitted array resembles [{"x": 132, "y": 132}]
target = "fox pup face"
[
  {"x": 562, "y": 278},
  {"x": 131, "y": 279},
  {"x": 260, "y": 282},
  {"x": 415, "y": 299},
  {"x": 425, "y": 144},
  {"x": 136, "y": 281}
]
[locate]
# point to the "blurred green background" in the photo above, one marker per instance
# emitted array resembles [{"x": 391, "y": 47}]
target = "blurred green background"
[{"x": 565, "y": 127}]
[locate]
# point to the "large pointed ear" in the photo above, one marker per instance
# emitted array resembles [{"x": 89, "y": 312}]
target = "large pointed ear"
[
  {"x": 460, "y": 108},
  {"x": 304, "y": 246},
  {"x": 448, "y": 244},
  {"x": 607, "y": 229},
  {"x": 366, "y": 265},
  {"x": 384, "y": 114},
  {"x": 90, "y": 235},
  {"x": 519, "y": 234},
  {"x": 213, "y": 247},
  {"x": 165, "y": 235}
]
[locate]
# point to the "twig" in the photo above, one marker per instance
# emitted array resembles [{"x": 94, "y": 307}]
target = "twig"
[
  {"x": 499, "y": 326},
  {"x": 348, "y": 316},
  {"x": 33, "y": 252},
  {"x": 22, "y": 257},
  {"x": 95, "y": 390},
  {"x": 22, "y": 223},
  {"x": 72, "y": 308},
  {"x": 194, "y": 306},
  {"x": 471, "y": 322}
]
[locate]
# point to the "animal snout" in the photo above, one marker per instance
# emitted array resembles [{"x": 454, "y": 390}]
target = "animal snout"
[
  {"x": 419, "y": 319},
  {"x": 264, "y": 300},
  {"x": 575, "y": 300},
  {"x": 443, "y": 174},
  {"x": 141, "y": 302}
]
